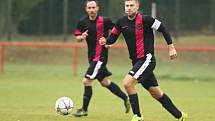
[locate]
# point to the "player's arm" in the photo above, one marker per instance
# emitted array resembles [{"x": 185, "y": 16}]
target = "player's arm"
[
  {"x": 81, "y": 37},
  {"x": 80, "y": 32},
  {"x": 167, "y": 37},
  {"x": 115, "y": 32},
  {"x": 110, "y": 40},
  {"x": 109, "y": 24},
  {"x": 157, "y": 25}
]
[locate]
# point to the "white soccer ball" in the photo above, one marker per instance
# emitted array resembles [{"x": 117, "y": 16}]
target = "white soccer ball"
[{"x": 64, "y": 105}]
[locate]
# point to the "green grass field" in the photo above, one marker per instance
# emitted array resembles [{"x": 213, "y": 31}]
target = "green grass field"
[
  {"x": 35, "y": 77},
  {"x": 29, "y": 92}
]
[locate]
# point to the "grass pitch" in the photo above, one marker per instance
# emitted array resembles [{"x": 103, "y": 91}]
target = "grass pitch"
[{"x": 29, "y": 92}]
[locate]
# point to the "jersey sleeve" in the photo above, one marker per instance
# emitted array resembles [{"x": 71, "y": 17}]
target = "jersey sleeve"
[
  {"x": 148, "y": 22},
  {"x": 165, "y": 33},
  {"x": 79, "y": 28},
  {"x": 158, "y": 26},
  {"x": 116, "y": 29},
  {"x": 115, "y": 32},
  {"x": 152, "y": 22},
  {"x": 110, "y": 24}
]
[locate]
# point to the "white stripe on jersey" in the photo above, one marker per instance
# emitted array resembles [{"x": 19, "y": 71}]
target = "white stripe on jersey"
[
  {"x": 144, "y": 66},
  {"x": 96, "y": 69},
  {"x": 156, "y": 24}
]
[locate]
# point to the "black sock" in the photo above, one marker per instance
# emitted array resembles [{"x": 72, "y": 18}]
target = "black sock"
[
  {"x": 87, "y": 96},
  {"x": 117, "y": 91},
  {"x": 169, "y": 106},
  {"x": 135, "y": 104}
]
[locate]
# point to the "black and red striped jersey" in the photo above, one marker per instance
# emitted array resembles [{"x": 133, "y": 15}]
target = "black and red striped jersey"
[
  {"x": 100, "y": 27},
  {"x": 138, "y": 34}
]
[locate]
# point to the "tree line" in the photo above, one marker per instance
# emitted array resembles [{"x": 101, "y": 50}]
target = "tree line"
[{"x": 46, "y": 17}]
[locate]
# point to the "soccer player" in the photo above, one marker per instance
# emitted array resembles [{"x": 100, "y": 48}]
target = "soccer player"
[
  {"x": 91, "y": 28},
  {"x": 137, "y": 30}
]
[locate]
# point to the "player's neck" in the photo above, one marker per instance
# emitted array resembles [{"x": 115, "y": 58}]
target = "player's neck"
[
  {"x": 93, "y": 17},
  {"x": 132, "y": 17}
]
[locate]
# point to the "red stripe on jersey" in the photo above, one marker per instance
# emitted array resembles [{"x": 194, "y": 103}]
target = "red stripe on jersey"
[
  {"x": 99, "y": 31},
  {"x": 115, "y": 31},
  {"x": 139, "y": 36},
  {"x": 77, "y": 32}
]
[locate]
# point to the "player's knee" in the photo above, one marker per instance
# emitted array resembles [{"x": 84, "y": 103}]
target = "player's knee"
[
  {"x": 127, "y": 84},
  {"x": 155, "y": 96},
  {"x": 156, "y": 93},
  {"x": 87, "y": 82},
  {"x": 105, "y": 83},
  {"x": 129, "y": 87}
]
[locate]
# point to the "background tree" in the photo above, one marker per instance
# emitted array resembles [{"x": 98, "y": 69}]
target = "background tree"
[{"x": 19, "y": 11}]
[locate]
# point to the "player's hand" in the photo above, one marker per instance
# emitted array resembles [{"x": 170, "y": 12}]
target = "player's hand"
[
  {"x": 108, "y": 46},
  {"x": 84, "y": 35},
  {"x": 102, "y": 41},
  {"x": 172, "y": 52}
]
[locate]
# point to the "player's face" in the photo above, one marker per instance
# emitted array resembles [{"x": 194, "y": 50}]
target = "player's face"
[
  {"x": 131, "y": 8},
  {"x": 92, "y": 8}
]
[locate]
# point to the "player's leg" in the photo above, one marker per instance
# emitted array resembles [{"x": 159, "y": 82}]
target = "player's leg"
[
  {"x": 112, "y": 87},
  {"x": 86, "y": 98},
  {"x": 152, "y": 86},
  {"x": 88, "y": 92},
  {"x": 166, "y": 102},
  {"x": 129, "y": 83},
  {"x": 87, "y": 81}
]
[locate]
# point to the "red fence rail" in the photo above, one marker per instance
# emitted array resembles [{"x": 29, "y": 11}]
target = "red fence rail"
[{"x": 75, "y": 48}]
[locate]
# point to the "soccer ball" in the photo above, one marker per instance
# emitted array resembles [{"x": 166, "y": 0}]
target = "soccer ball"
[{"x": 64, "y": 105}]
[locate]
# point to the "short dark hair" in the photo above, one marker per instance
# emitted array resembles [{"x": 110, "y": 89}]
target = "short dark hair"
[
  {"x": 97, "y": 2},
  {"x": 132, "y": 0}
]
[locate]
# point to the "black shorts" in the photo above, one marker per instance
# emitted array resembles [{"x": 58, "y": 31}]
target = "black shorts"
[
  {"x": 97, "y": 70},
  {"x": 143, "y": 72}
]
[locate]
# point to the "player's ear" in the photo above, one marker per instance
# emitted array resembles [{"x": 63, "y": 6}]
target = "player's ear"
[
  {"x": 86, "y": 8},
  {"x": 138, "y": 6}
]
